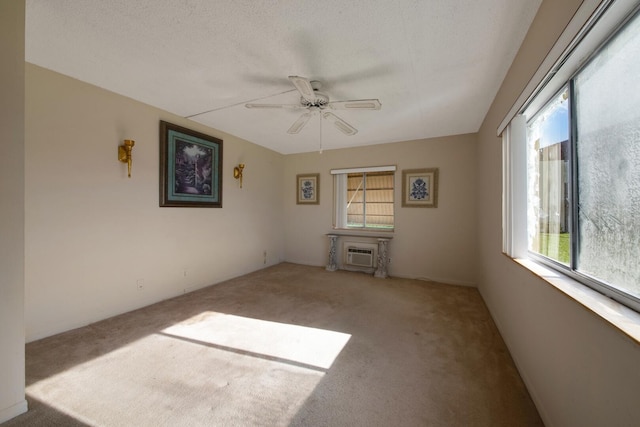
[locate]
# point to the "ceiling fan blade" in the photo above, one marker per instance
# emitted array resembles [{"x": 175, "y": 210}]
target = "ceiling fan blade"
[
  {"x": 357, "y": 104},
  {"x": 299, "y": 124},
  {"x": 276, "y": 106},
  {"x": 304, "y": 87},
  {"x": 342, "y": 126}
]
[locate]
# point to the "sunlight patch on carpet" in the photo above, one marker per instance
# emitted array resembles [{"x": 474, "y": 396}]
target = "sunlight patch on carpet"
[
  {"x": 305, "y": 346},
  {"x": 231, "y": 369}
]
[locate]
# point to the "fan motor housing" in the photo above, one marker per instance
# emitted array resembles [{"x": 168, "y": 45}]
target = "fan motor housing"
[{"x": 320, "y": 101}]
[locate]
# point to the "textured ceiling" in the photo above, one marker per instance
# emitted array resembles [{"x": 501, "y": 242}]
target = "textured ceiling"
[{"x": 435, "y": 65}]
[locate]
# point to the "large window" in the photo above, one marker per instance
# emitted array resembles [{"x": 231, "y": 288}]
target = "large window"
[
  {"x": 364, "y": 198},
  {"x": 583, "y": 170}
]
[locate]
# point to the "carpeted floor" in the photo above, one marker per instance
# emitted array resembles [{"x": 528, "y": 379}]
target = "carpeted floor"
[{"x": 289, "y": 345}]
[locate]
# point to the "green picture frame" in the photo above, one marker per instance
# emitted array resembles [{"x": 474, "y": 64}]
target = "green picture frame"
[{"x": 190, "y": 168}]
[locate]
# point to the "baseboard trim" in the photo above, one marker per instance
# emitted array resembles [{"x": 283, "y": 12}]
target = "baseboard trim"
[{"x": 13, "y": 411}]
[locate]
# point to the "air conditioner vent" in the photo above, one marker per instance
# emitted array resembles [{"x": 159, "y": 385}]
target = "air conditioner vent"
[{"x": 360, "y": 257}]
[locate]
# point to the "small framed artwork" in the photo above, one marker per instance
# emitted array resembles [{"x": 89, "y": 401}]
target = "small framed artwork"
[
  {"x": 308, "y": 189},
  {"x": 190, "y": 168},
  {"x": 420, "y": 188}
]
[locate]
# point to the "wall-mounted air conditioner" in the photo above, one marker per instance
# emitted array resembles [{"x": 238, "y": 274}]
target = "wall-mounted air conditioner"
[{"x": 360, "y": 257}]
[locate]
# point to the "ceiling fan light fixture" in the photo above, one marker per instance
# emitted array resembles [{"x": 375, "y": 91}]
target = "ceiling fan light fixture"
[{"x": 316, "y": 102}]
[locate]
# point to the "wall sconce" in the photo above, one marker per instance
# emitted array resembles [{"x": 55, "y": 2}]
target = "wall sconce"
[
  {"x": 124, "y": 153},
  {"x": 237, "y": 172}
]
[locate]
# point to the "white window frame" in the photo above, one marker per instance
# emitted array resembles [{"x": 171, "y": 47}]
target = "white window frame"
[
  {"x": 590, "y": 32},
  {"x": 340, "y": 195}
]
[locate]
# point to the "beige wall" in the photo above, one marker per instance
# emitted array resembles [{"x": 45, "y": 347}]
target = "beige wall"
[
  {"x": 579, "y": 370},
  {"x": 428, "y": 243},
  {"x": 92, "y": 233},
  {"x": 12, "y": 401}
]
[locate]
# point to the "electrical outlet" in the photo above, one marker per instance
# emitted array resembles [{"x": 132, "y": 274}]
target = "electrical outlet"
[
  {"x": 140, "y": 284},
  {"x": 185, "y": 272}
]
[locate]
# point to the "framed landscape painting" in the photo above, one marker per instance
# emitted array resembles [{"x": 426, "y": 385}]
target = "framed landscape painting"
[
  {"x": 420, "y": 188},
  {"x": 190, "y": 168},
  {"x": 308, "y": 189}
]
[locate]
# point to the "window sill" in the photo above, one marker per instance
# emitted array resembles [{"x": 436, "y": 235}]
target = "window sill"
[
  {"x": 624, "y": 319},
  {"x": 361, "y": 232}
]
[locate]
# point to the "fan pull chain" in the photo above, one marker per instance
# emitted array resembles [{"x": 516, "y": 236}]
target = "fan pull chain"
[{"x": 320, "y": 132}]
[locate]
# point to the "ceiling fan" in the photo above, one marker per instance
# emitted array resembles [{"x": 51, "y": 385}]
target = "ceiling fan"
[{"x": 317, "y": 102}]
